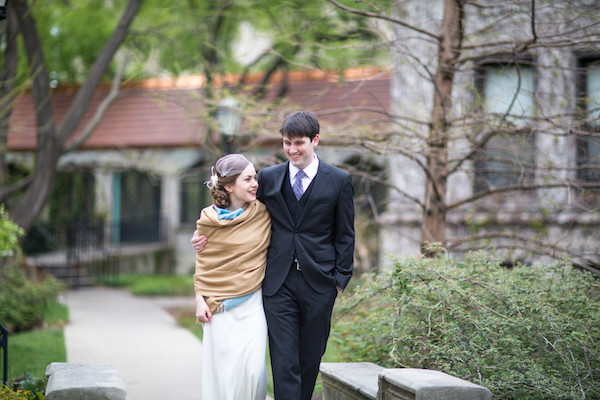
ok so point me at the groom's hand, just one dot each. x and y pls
(198, 242)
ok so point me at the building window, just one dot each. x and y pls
(369, 203)
(588, 145)
(508, 158)
(194, 195)
(72, 199)
(136, 208)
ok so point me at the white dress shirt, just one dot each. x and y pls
(310, 170)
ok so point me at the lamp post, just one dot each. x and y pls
(229, 118)
(3, 9)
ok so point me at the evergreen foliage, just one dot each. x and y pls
(9, 235)
(8, 394)
(23, 302)
(529, 332)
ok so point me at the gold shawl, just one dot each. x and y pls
(233, 261)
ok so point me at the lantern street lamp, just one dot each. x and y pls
(3, 9)
(229, 118)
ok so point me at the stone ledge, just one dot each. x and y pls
(350, 380)
(368, 381)
(72, 381)
(412, 383)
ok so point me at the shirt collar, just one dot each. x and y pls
(310, 170)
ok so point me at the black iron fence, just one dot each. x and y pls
(4, 347)
(75, 254)
(147, 230)
(85, 254)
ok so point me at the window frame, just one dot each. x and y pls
(482, 172)
(201, 173)
(582, 142)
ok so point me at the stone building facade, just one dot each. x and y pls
(542, 88)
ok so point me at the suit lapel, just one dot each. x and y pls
(278, 187)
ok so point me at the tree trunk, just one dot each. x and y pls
(48, 150)
(434, 219)
(50, 138)
(7, 83)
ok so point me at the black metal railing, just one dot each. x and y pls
(75, 254)
(88, 256)
(4, 347)
(146, 230)
(83, 254)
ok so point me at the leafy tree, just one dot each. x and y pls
(9, 235)
(23, 302)
(52, 136)
(173, 38)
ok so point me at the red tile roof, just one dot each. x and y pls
(157, 113)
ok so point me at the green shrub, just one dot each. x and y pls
(8, 394)
(9, 234)
(524, 333)
(31, 352)
(24, 302)
(26, 388)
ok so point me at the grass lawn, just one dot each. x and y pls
(32, 351)
(158, 285)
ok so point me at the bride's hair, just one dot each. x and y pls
(225, 172)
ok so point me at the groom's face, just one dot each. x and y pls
(300, 150)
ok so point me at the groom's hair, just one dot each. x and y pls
(300, 124)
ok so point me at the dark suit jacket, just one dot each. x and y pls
(322, 239)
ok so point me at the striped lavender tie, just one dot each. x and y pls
(297, 186)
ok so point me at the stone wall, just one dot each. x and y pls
(368, 381)
(559, 218)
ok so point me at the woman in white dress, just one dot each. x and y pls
(227, 282)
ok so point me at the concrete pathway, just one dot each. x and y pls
(157, 359)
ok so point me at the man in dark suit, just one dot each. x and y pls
(310, 258)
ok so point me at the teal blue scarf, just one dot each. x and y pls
(224, 213)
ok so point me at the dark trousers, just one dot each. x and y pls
(299, 320)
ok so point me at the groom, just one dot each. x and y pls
(310, 258)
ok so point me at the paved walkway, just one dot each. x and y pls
(157, 359)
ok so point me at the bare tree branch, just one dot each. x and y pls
(79, 105)
(110, 98)
(522, 188)
(358, 172)
(385, 18)
(6, 191)
(530, 244)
